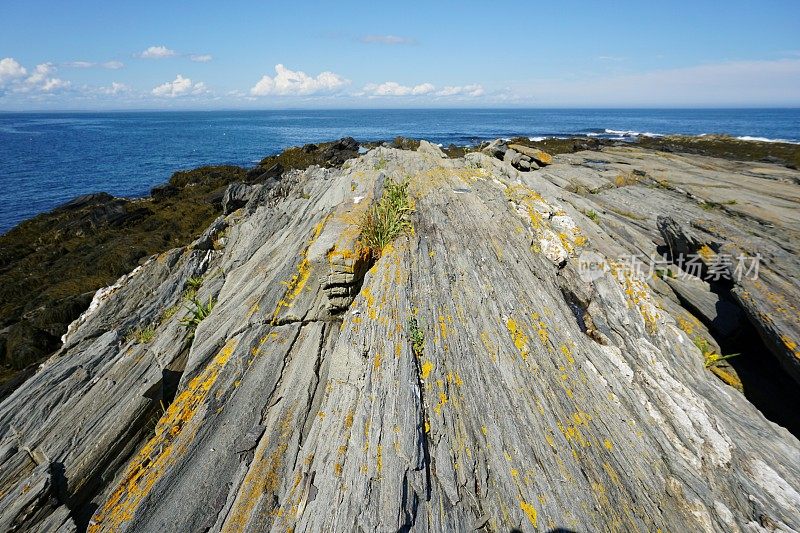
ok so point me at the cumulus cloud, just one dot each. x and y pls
(392, 88)
(180, 86)
(16, 78)
(157, 52)
(10, 71)
(201, 58)
(297, 83)
(387, 39)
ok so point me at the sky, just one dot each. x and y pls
(175, 54)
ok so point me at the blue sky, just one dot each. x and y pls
(279, 54)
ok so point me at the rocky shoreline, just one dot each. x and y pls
(571, 323)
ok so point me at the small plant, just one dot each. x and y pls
(380, 165)
(710, 357)
(387, 219)
(594, 217)
(198, 312)
(416, 336)
(729, 202)
(191, 287)
(713, 359)
(141, 335)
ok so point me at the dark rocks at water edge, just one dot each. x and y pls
(471, 374)
(51, 265)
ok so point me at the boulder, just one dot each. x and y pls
(496, 148)
(542, 158)
(236, 196)
(682, 241)
(512, 157)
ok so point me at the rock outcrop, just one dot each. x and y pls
(474, 376)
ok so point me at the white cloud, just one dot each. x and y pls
(392, 88)
(10, 71)
(113, 65)
(472, 90)
(180, 86)
(291, 82)
(157, 52)
(79, 64)
(387, 39)
(114, 89)
(40, 80)
(201, 58)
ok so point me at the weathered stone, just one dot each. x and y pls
(496, 148)
(473, 376)
(236, 196)
(540, 157)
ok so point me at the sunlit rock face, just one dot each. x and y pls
(470, 373)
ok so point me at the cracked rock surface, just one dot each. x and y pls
(537, 399)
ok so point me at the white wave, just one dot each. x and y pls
(536, 139)
(765, 139)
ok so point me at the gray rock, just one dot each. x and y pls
(681, 241)
(512, 157)
(497, 148)
(530, 398)
(236, 195)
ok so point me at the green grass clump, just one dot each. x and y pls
(387, 219)
(141, 335)
(191, 286)
(198, 311)
(593, 216)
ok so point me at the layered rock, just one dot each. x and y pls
(474, 377)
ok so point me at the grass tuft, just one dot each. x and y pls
(198, 312)
(389, 218)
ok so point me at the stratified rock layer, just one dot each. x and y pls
(537, 399)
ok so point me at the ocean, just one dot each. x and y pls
(49, 158)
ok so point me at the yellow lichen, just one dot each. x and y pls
(530, 512)
(518, 337)
(161, 451)
(427, 367)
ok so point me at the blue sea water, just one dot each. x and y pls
(49, 158)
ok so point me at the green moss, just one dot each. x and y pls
(141, 335)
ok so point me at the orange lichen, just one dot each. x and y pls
(518, 337)
(161, 451)
(295, 285)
